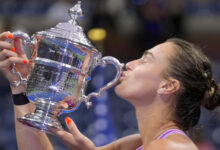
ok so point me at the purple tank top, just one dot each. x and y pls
(166, 134)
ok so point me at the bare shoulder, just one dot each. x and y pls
(130, 142)
(169, 144)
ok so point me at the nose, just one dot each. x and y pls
(130, 65)
(127, 66)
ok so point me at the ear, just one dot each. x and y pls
(169, 86)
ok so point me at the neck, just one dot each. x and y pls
(153, 120)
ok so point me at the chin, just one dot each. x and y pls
(117, 89)
(120, 91)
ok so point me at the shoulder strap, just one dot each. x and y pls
(171, 131)
(166, 134)
(139, 148)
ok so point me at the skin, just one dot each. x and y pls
(153, 97)
(143, 85)
(36, 139)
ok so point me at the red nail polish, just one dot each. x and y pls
(30, 62)
(13, 49)
(68, 120)
(10, 36)
(25, 61)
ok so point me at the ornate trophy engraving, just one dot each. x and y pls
(63, 61)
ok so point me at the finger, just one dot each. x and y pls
(19, 47)
(62, 134)
(74, 139)
(72, 126)
(79, 140)
(4, 54)
(8, 62)
(17, 44)
(6, 45)
(6, 35)
(66, 137)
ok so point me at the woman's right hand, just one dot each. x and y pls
(10, 55)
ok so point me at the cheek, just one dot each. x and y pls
(137, 87)
(146, 80)
(135, 92)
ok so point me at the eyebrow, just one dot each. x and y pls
(148, 53)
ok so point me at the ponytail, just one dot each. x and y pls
(212, 98)
(192, 68)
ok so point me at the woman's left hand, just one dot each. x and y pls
(74, 140)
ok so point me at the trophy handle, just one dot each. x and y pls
(103, 62)
(26, 41)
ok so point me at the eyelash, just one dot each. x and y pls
(144, 60)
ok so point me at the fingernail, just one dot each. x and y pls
(68, 120)
(25, 61)
(10, 36)
(13, 49)
(30, 62)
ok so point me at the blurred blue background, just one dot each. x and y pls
(131, 26)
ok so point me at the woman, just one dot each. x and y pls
(167, 87)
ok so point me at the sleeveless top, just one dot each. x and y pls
(167, 133)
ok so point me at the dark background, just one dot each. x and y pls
(132, 26)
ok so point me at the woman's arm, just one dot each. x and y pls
(29, 138)
(77, 141)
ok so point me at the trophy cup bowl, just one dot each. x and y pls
(63, 61)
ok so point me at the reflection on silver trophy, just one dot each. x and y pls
(63, 61)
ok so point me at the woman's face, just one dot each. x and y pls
(144, 76)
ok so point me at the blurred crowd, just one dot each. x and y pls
(131, 26)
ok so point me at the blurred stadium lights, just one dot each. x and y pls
(101, 129)
(139, 2)
(216, 135)
(111, 117)
(97, 34)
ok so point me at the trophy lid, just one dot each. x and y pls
(70, 30)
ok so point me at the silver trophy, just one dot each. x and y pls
(63, 61)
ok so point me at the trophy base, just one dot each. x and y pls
(42, 119)
(32, 121)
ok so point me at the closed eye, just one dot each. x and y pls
(147, 56)
(144, 59)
